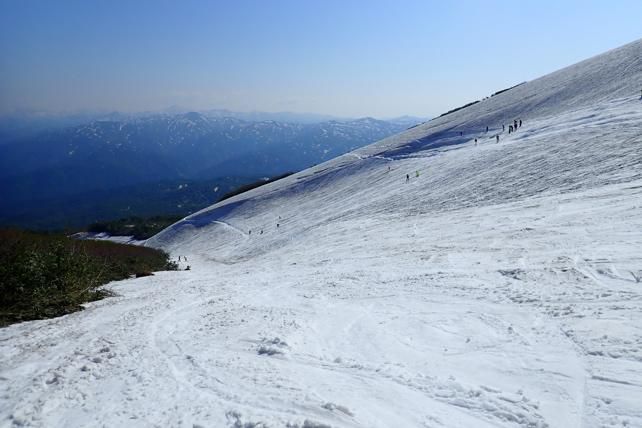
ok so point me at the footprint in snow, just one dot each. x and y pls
(271, 347)
(337, 407)
(268, 350)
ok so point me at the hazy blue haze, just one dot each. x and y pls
(350, 58)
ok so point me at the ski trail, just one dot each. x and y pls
(170, 317)
(234, 228)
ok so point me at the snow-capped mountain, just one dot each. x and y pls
(190, 143)
(105, 155)
(448, 276)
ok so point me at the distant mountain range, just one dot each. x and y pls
(114, 155)
(27, 123)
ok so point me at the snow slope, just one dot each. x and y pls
(500, 286)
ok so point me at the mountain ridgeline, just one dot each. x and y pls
(155, 156)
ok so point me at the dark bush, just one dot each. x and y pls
(47, 275)
(507, 89)
(459, 108)
(138, 227)
(142, 274)
(247, 187)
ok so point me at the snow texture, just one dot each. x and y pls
(501, 286)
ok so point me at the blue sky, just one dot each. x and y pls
(346, 58)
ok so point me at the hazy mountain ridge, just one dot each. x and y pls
(187, 138)
(105, 155)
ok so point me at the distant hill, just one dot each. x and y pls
(61, 171)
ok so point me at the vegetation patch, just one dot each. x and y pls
(475, 102)
(458, 108)
(48, 275)
(507, 89)
(247, 187)
(138, 227)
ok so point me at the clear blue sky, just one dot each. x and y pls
(340, 57)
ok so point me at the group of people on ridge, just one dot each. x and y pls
(517, 123)
(514, 126)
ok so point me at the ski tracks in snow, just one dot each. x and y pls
(500, 286)
(234, 228)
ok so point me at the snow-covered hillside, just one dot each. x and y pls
(500, 284)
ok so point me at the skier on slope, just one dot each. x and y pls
(407, 178)
(497, 137)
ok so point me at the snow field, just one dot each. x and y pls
(501, 286)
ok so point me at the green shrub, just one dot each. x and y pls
(138, 227)
(47, 275)
(247, 187)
